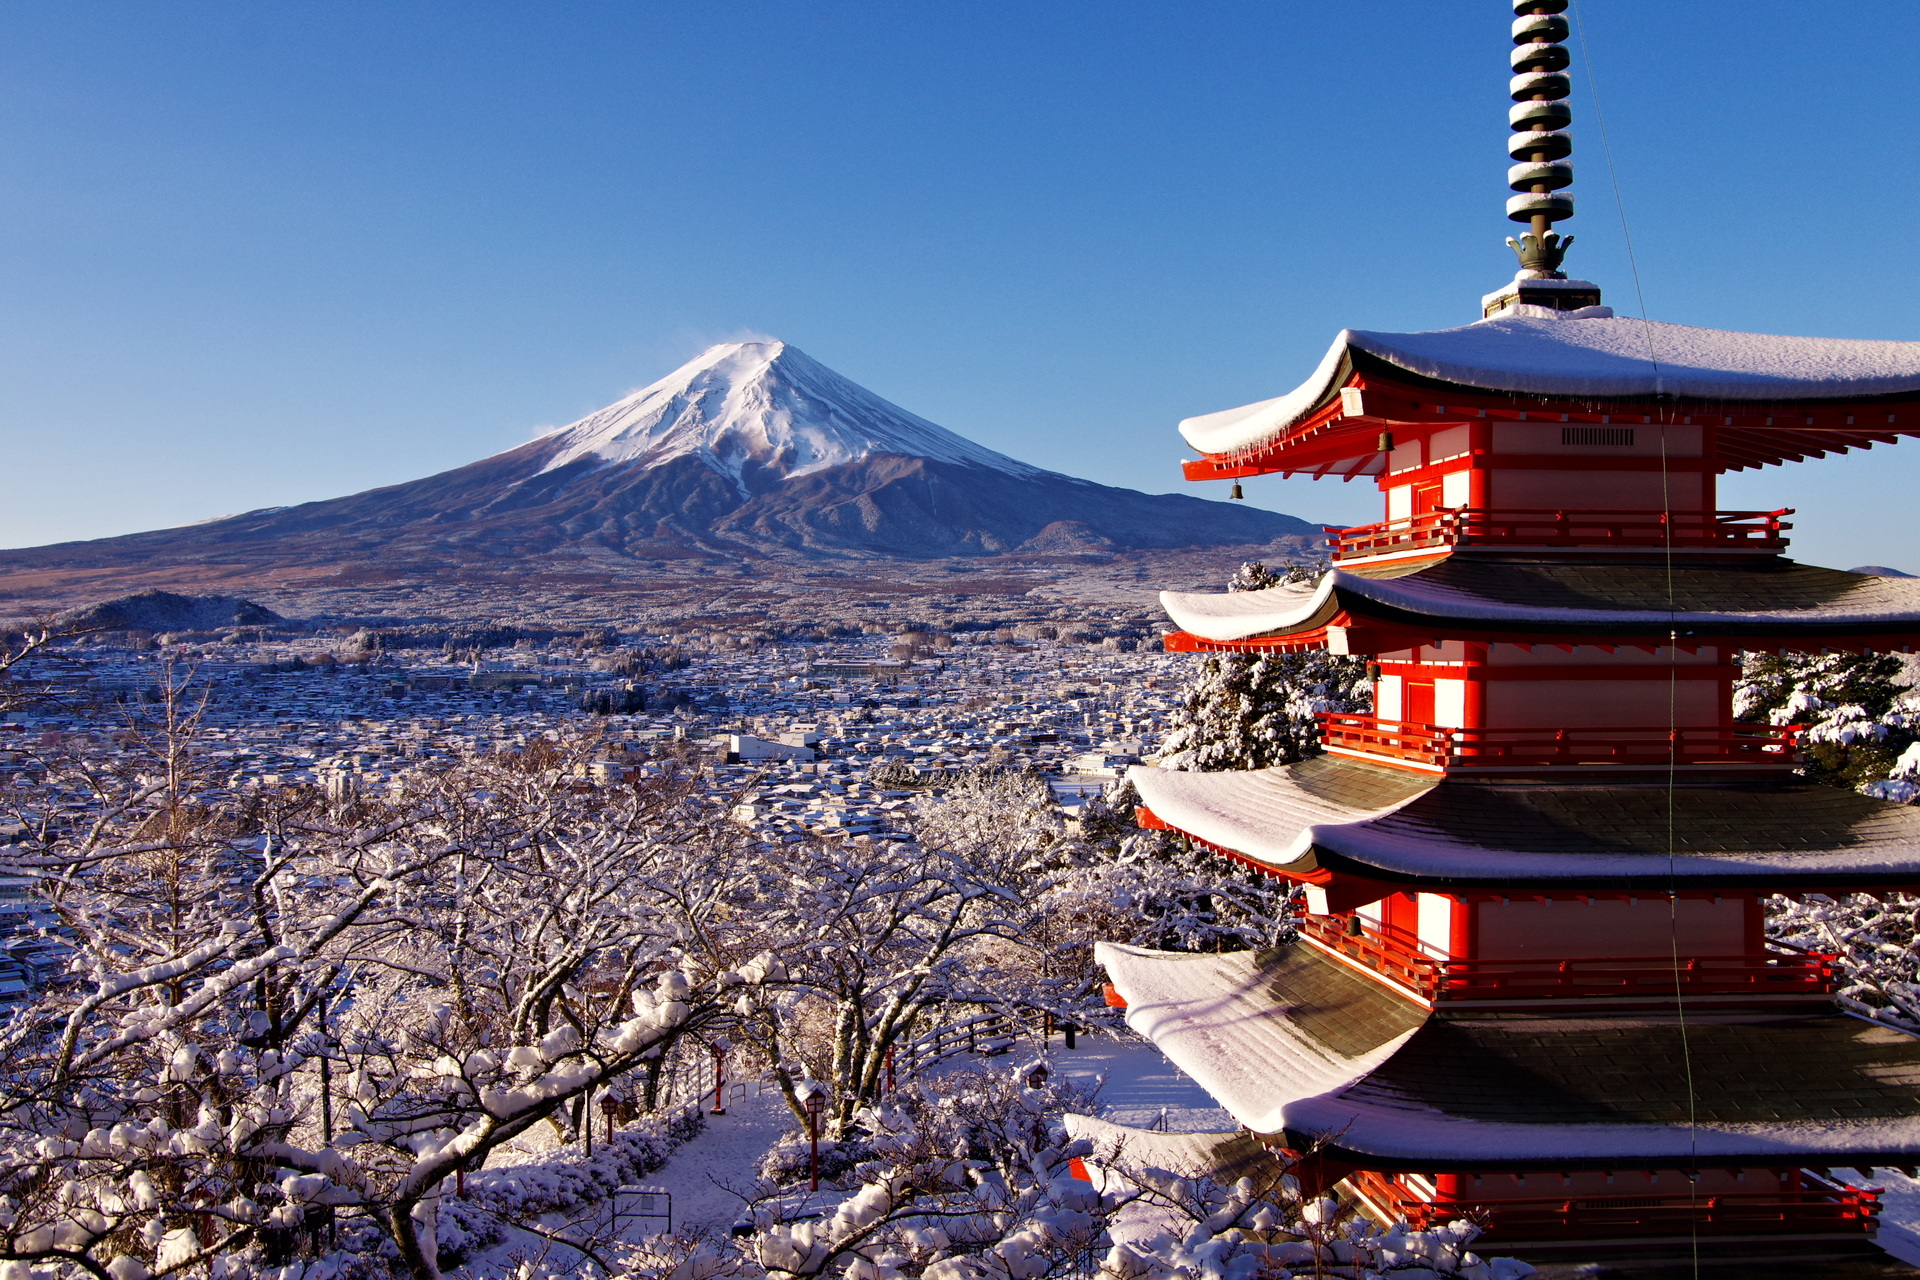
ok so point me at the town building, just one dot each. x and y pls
(1532, 985)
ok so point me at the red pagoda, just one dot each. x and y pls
(1532, 986)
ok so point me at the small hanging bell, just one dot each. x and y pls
(1236, 495)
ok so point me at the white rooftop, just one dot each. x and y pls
(1217, 1017)
(1231, 1021)
(1588, 356)
(1288, 606)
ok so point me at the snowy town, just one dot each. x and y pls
(804, 736)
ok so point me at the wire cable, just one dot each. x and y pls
(1673, 649)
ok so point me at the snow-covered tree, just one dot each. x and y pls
(974, 1176)
(1256, 710)
(291, 1021)
(1157, 889)
(877, 937)
(1859, 716)
(1860, 727)
(1875, 938)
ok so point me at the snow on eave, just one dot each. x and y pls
(1626, 356)
(1253, 424)
(1894, 601)
(1241, 615)
(1237, 615)
(1586, 355)
(1214, 1017)
(1402, 1132)
(1190, 1155)
(1262, 813)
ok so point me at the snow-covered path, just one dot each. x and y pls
(1141, 1088)
(701, 1173)
(1140, 1084)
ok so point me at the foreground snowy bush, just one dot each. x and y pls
(496, 1201)
(290, 1024)
(972, 1177)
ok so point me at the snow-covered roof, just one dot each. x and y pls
(1291, 1041)
(1223, 1157)
(1333, 809)
(1764, 595)
(1221, 1020)
(1280, 815)
(1595, 356)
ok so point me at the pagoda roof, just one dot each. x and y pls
(1586, 357)
(1334, 814)
(1225, 1157)
(1751, 596)
(1291, 1041)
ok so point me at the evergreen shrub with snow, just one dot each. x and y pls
(1859, 718)
(1256, 710)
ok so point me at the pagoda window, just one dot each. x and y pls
(1601, 704)
(1387, 697)
(1638, 441)
(1405, 455)
(1449, 704)
(1400, 502)
(1452, 442)
(1525, 929)
(1456, 489)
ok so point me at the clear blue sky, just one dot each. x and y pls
(255, 253)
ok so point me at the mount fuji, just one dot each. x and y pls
(751, 449)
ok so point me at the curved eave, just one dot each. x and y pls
(1771, 399)
(1387, 1137)
(1346, 600)
(1272, 822)
(1292, 1042)
(1339, 437)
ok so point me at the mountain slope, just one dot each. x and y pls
(752, 448)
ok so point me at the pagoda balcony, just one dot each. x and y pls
(1439, 747)
(1437, 979)
(1819, 1205)
(1761, 531)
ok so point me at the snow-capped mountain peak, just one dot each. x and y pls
(762, 404)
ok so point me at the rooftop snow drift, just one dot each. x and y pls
(1597, 356)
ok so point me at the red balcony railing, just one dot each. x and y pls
(1437, 746)
(1819, 1205)
(1543, 527)
(1400, 957)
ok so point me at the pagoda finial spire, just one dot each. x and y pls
(1539, 148)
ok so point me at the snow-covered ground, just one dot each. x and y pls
(1142, 1089)
(1899, 1229)
(1139, 1088)
(704, 1174)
